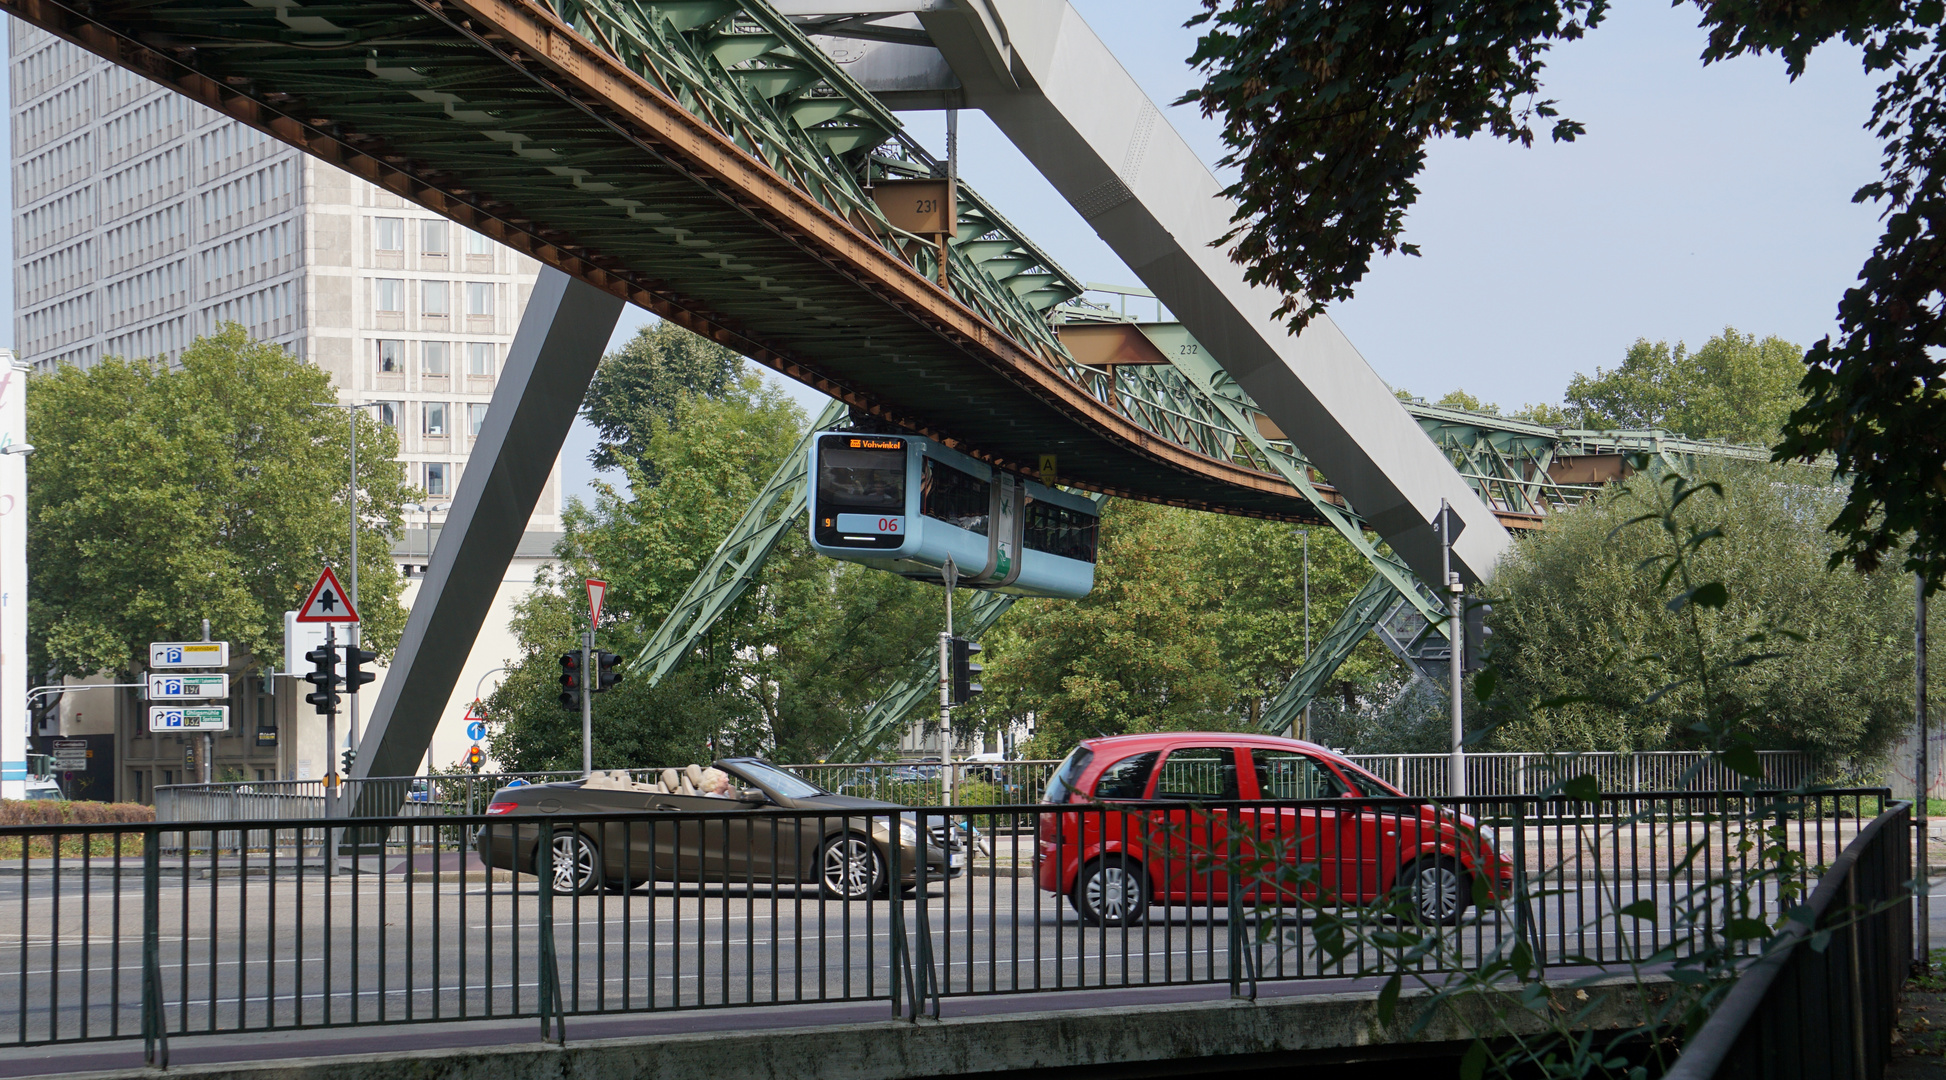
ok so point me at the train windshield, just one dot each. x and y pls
(866, 479)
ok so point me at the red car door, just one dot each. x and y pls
(1193, 840)
(1322, 837)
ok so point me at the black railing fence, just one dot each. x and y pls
(167, 930)
(1822, 1000)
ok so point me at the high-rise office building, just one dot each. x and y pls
(143, 220)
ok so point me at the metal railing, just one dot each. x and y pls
(917, 783)
(1823, 1000)
(1429, 776)
(113, 931)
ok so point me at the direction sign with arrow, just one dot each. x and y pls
(327, 602)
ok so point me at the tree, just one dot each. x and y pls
(1256, 571)
(1585, 636)
(1327, 106)
(1139, 653)
(1735, 388)
(162, 496)
(645, 379)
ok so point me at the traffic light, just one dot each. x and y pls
(475, 758)
(965, 670)
(571, 679)
(1477, 634)
(324, 676)
(605, 673)
(355, 661)
(350, 756)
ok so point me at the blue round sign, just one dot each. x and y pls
(476, 731)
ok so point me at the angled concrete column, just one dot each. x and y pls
(562, 334)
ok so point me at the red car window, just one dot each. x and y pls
(1289, 774)
(1127, 778)
(1199, 773)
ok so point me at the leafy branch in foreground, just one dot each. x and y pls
(1327, 107)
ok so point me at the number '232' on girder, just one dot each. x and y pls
(907, 504)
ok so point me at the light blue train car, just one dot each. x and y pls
(906, 504)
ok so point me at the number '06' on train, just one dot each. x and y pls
(906, 504)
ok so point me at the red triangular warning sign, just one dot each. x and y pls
(327, 602)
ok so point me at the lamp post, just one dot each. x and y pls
(429, 509)
(1305, 534)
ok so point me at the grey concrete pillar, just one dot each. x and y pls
(562, 334)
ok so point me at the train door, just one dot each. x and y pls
(1004, 534)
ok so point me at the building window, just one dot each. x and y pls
(435, 417)
(436, 358)
(434, 298)
(391, 357)
(479, 298)
(432, 237)
(388, 413)
(436, 476)
(475, 418)
(388, 295)
(478, 244)
(388, 234)
(479, 358)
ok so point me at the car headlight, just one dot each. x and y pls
(908, 832)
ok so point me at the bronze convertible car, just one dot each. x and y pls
(849, 854)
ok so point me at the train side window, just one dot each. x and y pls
(1060, 531)
(954, 497)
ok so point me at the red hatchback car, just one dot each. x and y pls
(1157, 831)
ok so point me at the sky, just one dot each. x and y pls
(1700, 198)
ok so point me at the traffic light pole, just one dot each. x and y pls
(588, 683)
(1456, 787)
(333, 796)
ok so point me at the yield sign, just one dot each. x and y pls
(596, 590)
(327, 602)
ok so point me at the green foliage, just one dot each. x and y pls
(645, 380)
(1586, 634)
(163, 496)
(1195, 620)
(1735, 388)
(1326, 107)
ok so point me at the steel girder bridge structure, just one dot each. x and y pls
(707, 161)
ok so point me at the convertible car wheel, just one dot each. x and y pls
(851, 868)
(577, 864)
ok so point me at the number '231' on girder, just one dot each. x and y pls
(906, 504)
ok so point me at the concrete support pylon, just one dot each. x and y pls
(566, 326)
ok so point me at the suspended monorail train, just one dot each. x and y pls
(907, 504)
